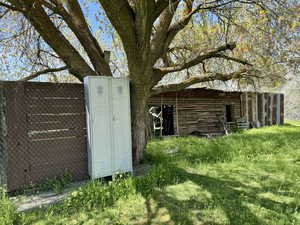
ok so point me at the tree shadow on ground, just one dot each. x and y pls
(232, 197)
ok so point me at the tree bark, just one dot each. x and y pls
(139, 106)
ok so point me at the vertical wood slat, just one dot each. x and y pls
(263, 112)
(274, 108)
(271, 109)
(260, 109)
(278, 109)
(254, 108)
(246, 107)
(281, 108)
(256, 105)
(3, 139)
(267, 103)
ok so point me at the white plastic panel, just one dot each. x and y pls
(109, 125)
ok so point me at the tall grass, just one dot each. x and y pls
(172, 157)
(8, 215)
(247, 145)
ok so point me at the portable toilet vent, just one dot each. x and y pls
(108, 125)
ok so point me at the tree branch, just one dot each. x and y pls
(242, 74)
(122, 17)
(39, 19)
(204, 56)
(11, 7)
(50, 70)
(77, 23)
(158, 40)
(241, 61)
(161, 5)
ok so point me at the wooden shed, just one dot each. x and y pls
(203, 111)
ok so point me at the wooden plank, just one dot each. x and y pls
(281, 109)
(263, 112)
(269, 122)
(58, 150)
(55, 101)
(274, 111)
(246, 107)
(271, 110)
(60, 91)
(278, 109)
(242, 105)
(39, 85)
(57, 134)
(37, 118)
(60, 123)
(254, 108)
(267, 103)
(259, 109)
(55, 109)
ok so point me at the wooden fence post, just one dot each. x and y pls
(247, 108)
(3, 136)
(263, 111)
(281, 109)
(278, 109)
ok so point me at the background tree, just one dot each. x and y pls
(60, 35)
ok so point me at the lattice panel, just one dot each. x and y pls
(47, 132)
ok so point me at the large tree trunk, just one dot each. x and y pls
(139, 98)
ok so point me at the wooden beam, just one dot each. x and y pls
(281, 108)
(254, 108)
(271, 110)
(278, 109)
(246, 107)
(263, 110)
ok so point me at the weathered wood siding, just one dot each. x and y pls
(199, 109)
(263, 109)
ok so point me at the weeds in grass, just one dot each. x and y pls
(8, 215)
(247, 176)
(102, 194)
(57, 184)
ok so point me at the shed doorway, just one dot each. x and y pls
(229, 113)
(168, 120)
(163, 120)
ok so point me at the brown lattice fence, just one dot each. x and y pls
(44, 133)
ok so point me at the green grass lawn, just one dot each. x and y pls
(245, 178)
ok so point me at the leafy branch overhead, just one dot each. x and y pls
(147, 30)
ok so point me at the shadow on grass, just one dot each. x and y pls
(231, 196)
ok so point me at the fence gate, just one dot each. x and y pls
(46, 132)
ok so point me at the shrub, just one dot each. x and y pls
(8, 214)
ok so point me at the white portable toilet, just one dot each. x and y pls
(109, 125)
